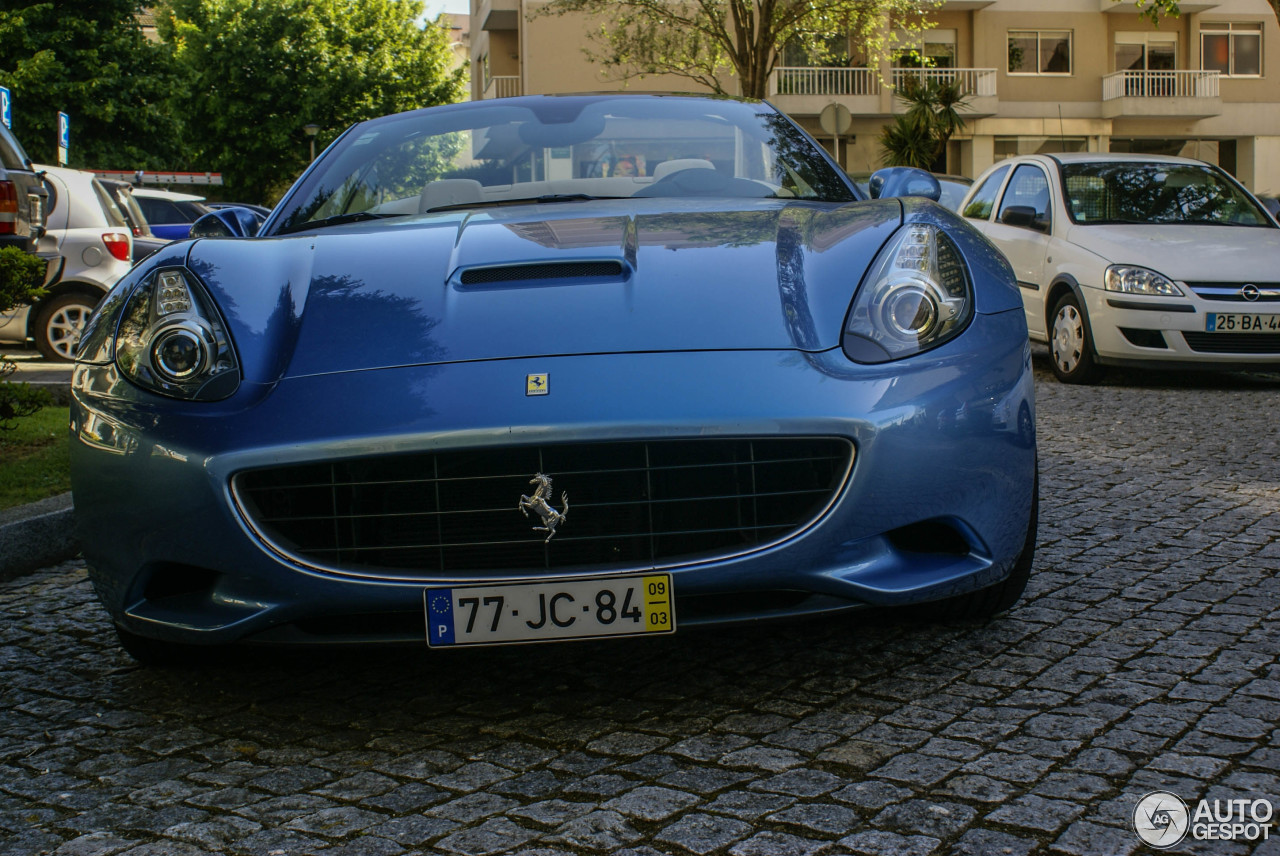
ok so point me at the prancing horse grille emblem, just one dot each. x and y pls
(538, 502)
(1250, 292)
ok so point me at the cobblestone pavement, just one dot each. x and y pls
(1144, 657)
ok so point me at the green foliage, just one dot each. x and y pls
(21, 277)
(18, 399)
(258, 71)
(90, 60)
(919, 137)
(1154, 9)
(903, 142)
(715, 42)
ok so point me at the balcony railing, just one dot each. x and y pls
(503, 86)
(794, 80)
(1160, 84)
(978, 82)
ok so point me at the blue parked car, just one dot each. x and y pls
(170, 214)
(550, 368)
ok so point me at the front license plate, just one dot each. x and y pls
(1241, 322)
(546, 611)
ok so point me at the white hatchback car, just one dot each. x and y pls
(1135, 260)
(88, 232)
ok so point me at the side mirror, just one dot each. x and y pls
(1023, 216)
(228, 223)
(903, 181)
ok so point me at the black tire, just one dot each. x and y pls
(1071, 343)
(158, 652)
(59, 323)
(993, 600)
(1026, 427)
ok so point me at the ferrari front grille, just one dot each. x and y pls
(463, 514)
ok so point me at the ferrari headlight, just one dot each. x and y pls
(917, 295)
(1138, 280)
(172, 341)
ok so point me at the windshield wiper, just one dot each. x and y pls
(336, 220)
(527, 200)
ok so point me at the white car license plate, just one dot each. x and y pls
(551, 610)
(1241, 322)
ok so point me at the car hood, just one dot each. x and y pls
(530, 281)
(1187, 253)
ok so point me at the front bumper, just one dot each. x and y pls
(1169, 332)
(938, 438)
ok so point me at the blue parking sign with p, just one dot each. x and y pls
(6, 108)
(64, 137)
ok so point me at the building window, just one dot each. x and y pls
(817, 51)
(1233, 49)
(935, 48)
(1040, 52)
(1146, 51)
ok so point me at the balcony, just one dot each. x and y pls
(978, 83)
(804, 91)
(498, 15)
(1187, 7)
(1161, 94)
(502, 86)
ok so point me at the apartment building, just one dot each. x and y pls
(1043, 76)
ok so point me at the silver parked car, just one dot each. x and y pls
(92, 239)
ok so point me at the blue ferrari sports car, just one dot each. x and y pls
(556, 367)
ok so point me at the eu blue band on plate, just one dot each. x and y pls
(440, 616)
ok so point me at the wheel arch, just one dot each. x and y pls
(58, 289)
(1063, 284)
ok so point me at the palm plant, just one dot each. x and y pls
(919, 136)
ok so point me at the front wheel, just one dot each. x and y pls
(59, 325)
(1071, 345)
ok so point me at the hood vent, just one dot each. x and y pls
(542, 272)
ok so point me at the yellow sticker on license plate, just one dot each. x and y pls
(549, 610)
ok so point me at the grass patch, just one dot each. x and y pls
(35, 458)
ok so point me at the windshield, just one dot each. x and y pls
(556, 149)
(1134, 192)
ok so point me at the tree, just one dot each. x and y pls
(89, 60)
(919, 137)
(1154, 9)
(259, 71)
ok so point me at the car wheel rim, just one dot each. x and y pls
(64, 329)
(1068, 339)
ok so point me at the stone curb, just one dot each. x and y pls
(35, 535)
